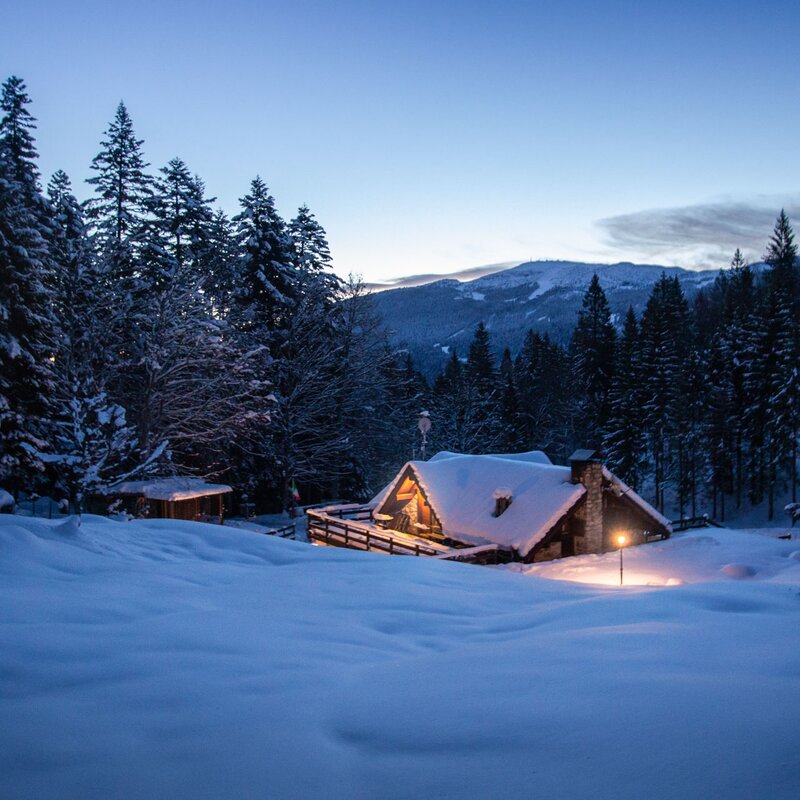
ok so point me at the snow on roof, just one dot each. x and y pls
(6, 500)
(170, 489)
(532, 456)
(460, 489)
(621, 488)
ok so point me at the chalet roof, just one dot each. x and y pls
(460, 490)
(169, 489)
(621, 489)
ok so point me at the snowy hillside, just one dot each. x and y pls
(543, 295)
(174, 659)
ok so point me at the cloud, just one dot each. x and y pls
(462, 275)
(698, 235)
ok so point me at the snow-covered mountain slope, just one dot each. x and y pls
(544, 295)
(173, 659)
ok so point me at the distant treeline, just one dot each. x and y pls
(696, 405)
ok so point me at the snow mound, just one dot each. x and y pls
(696, 557)
(738, 571)
(6, 500)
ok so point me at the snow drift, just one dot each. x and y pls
(175, 659)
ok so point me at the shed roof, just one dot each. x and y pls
(169, 489)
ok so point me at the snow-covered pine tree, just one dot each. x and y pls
(18, 125)
(691, 426)
(624, 439)
(542, 375)
(465, 422)
(188, 381)
(781, 256)
(123, 191)
(509, 405)
(739, 308)
(78, 293)
(266, 280)
(219, 263)
(782, 402)
(312, 252)
(592, 352)
(480, 367)
(720, 438)
(481, 394)
(26, 324)
(665, 336)
(91, 444)
(182, 214)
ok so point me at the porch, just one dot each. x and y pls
(354, 527)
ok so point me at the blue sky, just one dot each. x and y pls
(435, 136)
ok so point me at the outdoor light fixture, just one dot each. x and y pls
(622, 540)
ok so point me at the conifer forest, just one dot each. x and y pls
(143, 331)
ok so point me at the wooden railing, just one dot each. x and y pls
(345, 511)
(331, 530)
(284, 532)
(703, 521)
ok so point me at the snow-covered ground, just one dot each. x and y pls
(167, 659)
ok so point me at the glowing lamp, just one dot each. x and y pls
(621, 540)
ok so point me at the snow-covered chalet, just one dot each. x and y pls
(521, 503)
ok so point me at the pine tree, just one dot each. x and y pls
(266, 279)
(16, 129)
(26, 275)
(691, 431)
(480, 367)
(541, 371)
(624, 439)
(219, 263)
(781, 256)
(467, 420)
(182, 214)
(124, 190)
(721, 439)
(312, 253)
(509, 405)
(665, 334)
(592, 351)
(740, 307)
(781, 350)
(90, 442)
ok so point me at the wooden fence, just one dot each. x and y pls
(336, 531)
(284, 532)
(703, 521)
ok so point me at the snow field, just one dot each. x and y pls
(174, 659)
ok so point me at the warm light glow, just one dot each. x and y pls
(622, 540)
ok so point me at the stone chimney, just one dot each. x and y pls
(587, 468)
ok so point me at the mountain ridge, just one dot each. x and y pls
(431, 319)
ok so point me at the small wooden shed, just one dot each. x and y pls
(172, 497)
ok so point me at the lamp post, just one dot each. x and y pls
(622, 540)
(424, 425)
